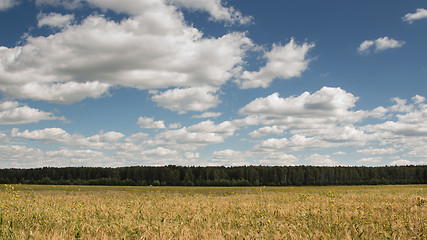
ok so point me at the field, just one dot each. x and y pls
(92, 212)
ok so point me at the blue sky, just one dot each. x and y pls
(210, 82)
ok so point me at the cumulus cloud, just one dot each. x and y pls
(191, 155)
(268, 130)
(340, 153)
(12, 112)
(417, 99)
(18, 156)
(379, 45)
(228, 157)
(412, 123)
(283, 62)
(278, 159)
(145, 122)
(68, 4)
(195, 136)
(102, 140)
(183, 100)
(292, 144)
(327, 104)
(208, 115)
(160, 152)
(154, 48)
(419, 14)
(6, 4)
(63, 93)
(137, 137)
(216, 9)
(174, 125)
(418, 151)
(401, 162)
(378, 151)
(320, 120)
(321, 160)
(54, 20)
(369, 160)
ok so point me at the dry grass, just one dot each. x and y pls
(74, 212)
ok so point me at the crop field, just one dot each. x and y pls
(95, 212)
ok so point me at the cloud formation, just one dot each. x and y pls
(228, 157)
(183, 100)
(283, 62)
(145, 122)
(419, 14)
(208, 115)
(54, 20)
(154, 48)
(6, 4)
(379, 45)
(216, 9)
(12, 112)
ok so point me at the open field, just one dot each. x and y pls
(92, 212)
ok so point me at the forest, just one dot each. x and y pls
(172, 175)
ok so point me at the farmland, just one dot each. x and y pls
(100, 212)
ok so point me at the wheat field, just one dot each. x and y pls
(95, 212)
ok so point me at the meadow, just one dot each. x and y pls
(100, 212)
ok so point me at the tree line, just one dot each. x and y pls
(172, 175)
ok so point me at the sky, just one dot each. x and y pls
(109, 83)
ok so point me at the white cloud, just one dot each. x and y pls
(102, 141)
(226, 128)
(55, 20)
(216, 9)
(136, 137)
(68, 4)
(401, 162)
(12, 112)
(268, 130)
(160, 152)
(378, 151)
(417, 99)
(228, 157)
(323, 119)
(183, 139)
(419, 14)
(195, 136)
(188, 99)
(326, 105)
(278, 159)
(153, 48)
(413, 123)
(145, 122)
(340, 153)
(282, 62)
(106, 137)
(25, 157)
(174, 125)
(208, 115)
(401, 106)
(418, 151)
(365, 46)
(6, 4)
(379, 45)
(369, 160)
(294, 143)
(63, 93)
(20, 156)
(321, 160)
(191, 155)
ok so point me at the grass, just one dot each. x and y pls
(95, 212)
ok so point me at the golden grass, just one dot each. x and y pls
(88, 212)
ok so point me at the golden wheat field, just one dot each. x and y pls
(95, 212)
